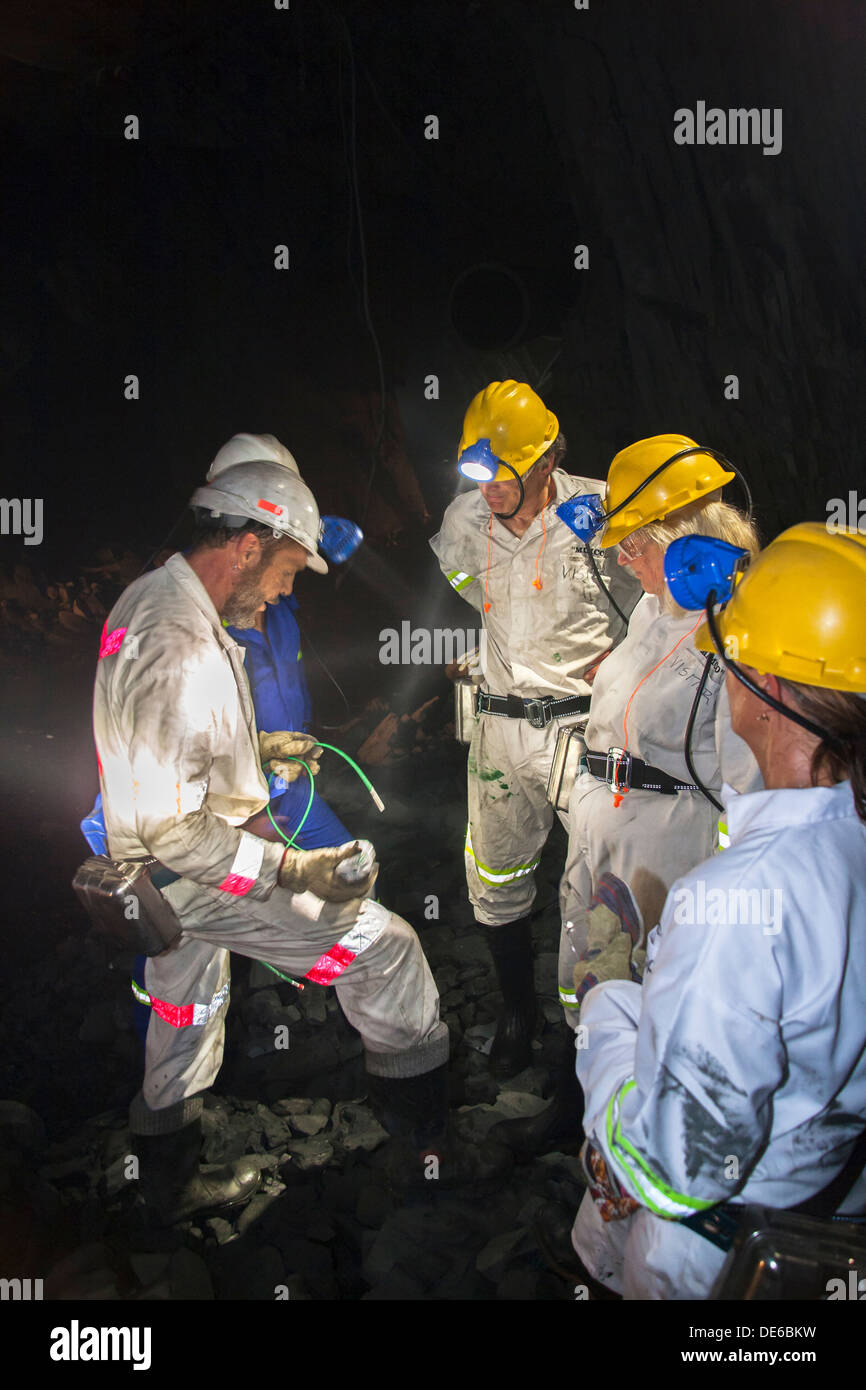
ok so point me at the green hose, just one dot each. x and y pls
(300, 824)
(370, 788)
(351, 761)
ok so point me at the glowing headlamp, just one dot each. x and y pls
(583, 515)
(479, 463)
(702, 569)
(339, 538)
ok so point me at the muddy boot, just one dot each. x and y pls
(560, 1124)
(173, 1185)
(511, 949)
(425, 1152)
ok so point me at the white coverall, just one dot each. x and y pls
(650, 838)
(537, 642)
(745, 1049)
(180, 773)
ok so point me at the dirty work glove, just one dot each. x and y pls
(614, 931)
(314, 871)
(274, 749)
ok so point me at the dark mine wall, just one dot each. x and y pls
(555, 129)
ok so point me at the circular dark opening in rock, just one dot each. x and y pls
(489, 306)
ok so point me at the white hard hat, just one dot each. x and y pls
(265, 491)
(251, 448)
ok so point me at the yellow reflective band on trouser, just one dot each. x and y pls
(568, 999)
(458, 580)
(642, 1182)
(509, 875)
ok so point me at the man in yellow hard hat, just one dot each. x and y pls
(552, 608)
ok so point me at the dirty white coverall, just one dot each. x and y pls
(180, 773)
(537, 642)
(650, 838)
(744, 1048)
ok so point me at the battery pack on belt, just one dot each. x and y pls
(122, 898)
(624, 772)
(539, 710)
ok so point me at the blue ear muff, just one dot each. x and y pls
(696, 566)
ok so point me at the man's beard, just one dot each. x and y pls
(243, 603)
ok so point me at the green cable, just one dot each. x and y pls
(351, 761)
(370, 788)
(300, 823)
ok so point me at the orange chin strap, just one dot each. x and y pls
(618, 795)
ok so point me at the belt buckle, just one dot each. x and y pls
(618, 770)
(537, 712)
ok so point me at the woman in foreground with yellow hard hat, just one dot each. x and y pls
(737, 1073)
(645, 808)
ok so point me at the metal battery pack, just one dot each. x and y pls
(121, 900)
(567, 755)
(464, 709)
(785, 1255)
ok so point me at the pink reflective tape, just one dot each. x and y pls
(178, 1015)
(111, 641)
(246, 865)
(182, 1015)
(237, 884)
(330, 965)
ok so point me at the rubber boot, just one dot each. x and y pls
(511, 949)
(173, 1185)
(425, 1152)
(560, 1124)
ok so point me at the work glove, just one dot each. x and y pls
(614, 933)
(314, 871)
(274, 749)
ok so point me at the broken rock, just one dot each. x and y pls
(356, 1127)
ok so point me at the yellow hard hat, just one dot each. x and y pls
(690, 478)
(799, 611)
(514, 422)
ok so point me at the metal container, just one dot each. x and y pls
(465, 716)
(785, 1255)
(122, 901)
(567, 755)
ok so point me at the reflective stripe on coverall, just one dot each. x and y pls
(743, 1055)
(537, 642)
(649, 838)
(179, 767)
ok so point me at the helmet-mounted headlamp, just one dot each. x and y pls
(339, 538)
(479, 463)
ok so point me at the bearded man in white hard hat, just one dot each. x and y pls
(181, 772)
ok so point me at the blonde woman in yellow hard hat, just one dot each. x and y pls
(548, 622)
(644, 809)
(737, 1072)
